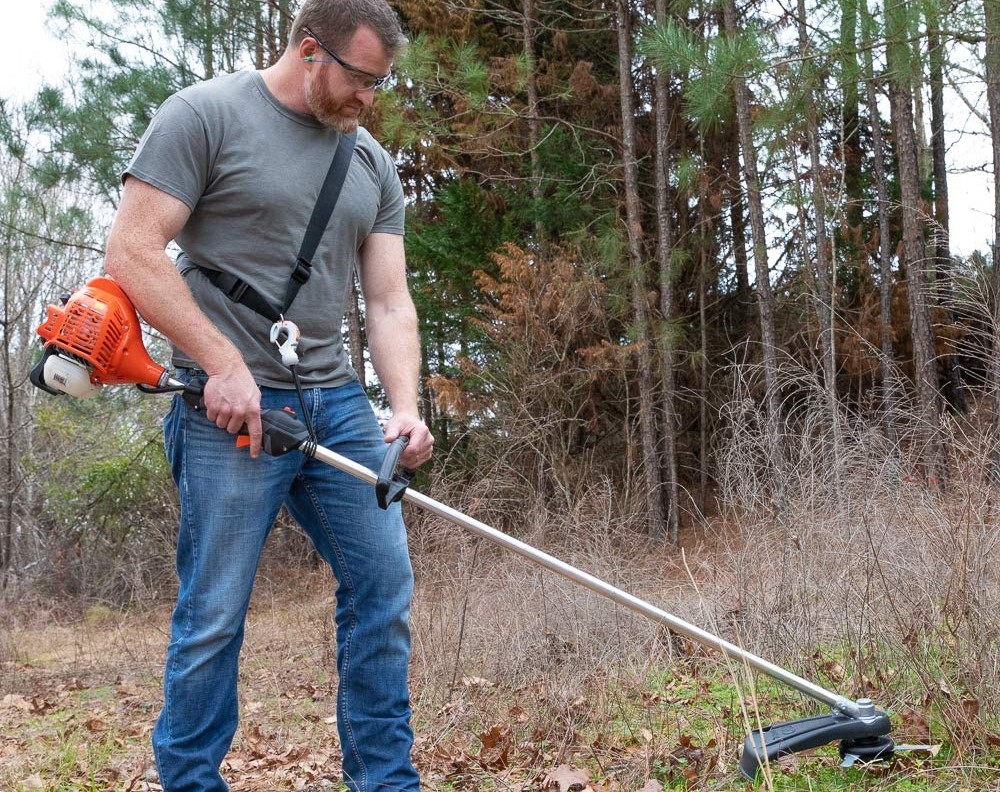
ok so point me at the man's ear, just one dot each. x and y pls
(307, 48)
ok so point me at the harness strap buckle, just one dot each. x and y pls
(302, 270)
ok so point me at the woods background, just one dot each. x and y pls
(679, 247)
(683, 270)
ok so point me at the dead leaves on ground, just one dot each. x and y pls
(34, 705)
(569, 779)
(531, 747)
(261, 764)
(524, 752)
(488, 735)
(69, 733)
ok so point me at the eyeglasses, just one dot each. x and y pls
(365, 81)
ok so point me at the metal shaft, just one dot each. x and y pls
(596, 585)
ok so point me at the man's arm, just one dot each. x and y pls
(136, 258)
(394, 341)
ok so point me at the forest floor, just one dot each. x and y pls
(534, 710)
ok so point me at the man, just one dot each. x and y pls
(230, 169)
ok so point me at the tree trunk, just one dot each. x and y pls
(917, 96)
(738, 225)
(898, 59)
(258, 37)
(534, 125)
(765, 296)
(703, 435)
(8, 420)
(940, 173)
(851, 125)
(640, 311)
(208, 42)
(992, 12)
(426, 394)
(890, 381)
(356, 341)
(824, 254)
(284, 27)
(940, 236)
(666, 335)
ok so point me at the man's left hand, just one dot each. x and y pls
(421, 444)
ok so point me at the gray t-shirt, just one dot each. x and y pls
(250, 169)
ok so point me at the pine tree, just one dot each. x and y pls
(138, 57)
(667, 333)
(825, 311)
(940, 243)
(852, 153)
(765, 295)
(883, 210)
(992, 16)
(640, 311)
(899, 62)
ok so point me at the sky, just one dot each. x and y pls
(31, 55)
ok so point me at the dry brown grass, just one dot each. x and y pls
(846, 545)
(862, 579)
(80, 691)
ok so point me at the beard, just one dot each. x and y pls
(327, 110)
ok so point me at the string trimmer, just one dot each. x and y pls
(95, 339)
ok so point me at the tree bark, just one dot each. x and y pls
(8, 419)
(534, 125)
(703, 435)
(765, 296)
(640, 311)
(851, 125)
(898, 59)
(208, 42)
(941, 232)
(738, 224)
(356, 341)
(992, 13)
(666, 335)
(940, 173)
(258, 37)
(890, 380)
(824, 254)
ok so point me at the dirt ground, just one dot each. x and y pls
(518, 684)
(78, 700)
(79, 694)
(508, 669)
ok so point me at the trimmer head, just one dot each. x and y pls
(861, 738)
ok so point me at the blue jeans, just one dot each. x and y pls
(228, 504)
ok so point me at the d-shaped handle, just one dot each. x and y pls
(391, 485)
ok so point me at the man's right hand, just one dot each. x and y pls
(232, 400)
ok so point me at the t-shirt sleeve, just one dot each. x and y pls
(173, 154)
(392, 206)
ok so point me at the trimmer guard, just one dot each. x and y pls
(864, 737)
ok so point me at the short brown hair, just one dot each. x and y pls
(336, 21)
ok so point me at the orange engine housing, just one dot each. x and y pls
(99, 326)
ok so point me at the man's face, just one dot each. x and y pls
(334, 93)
